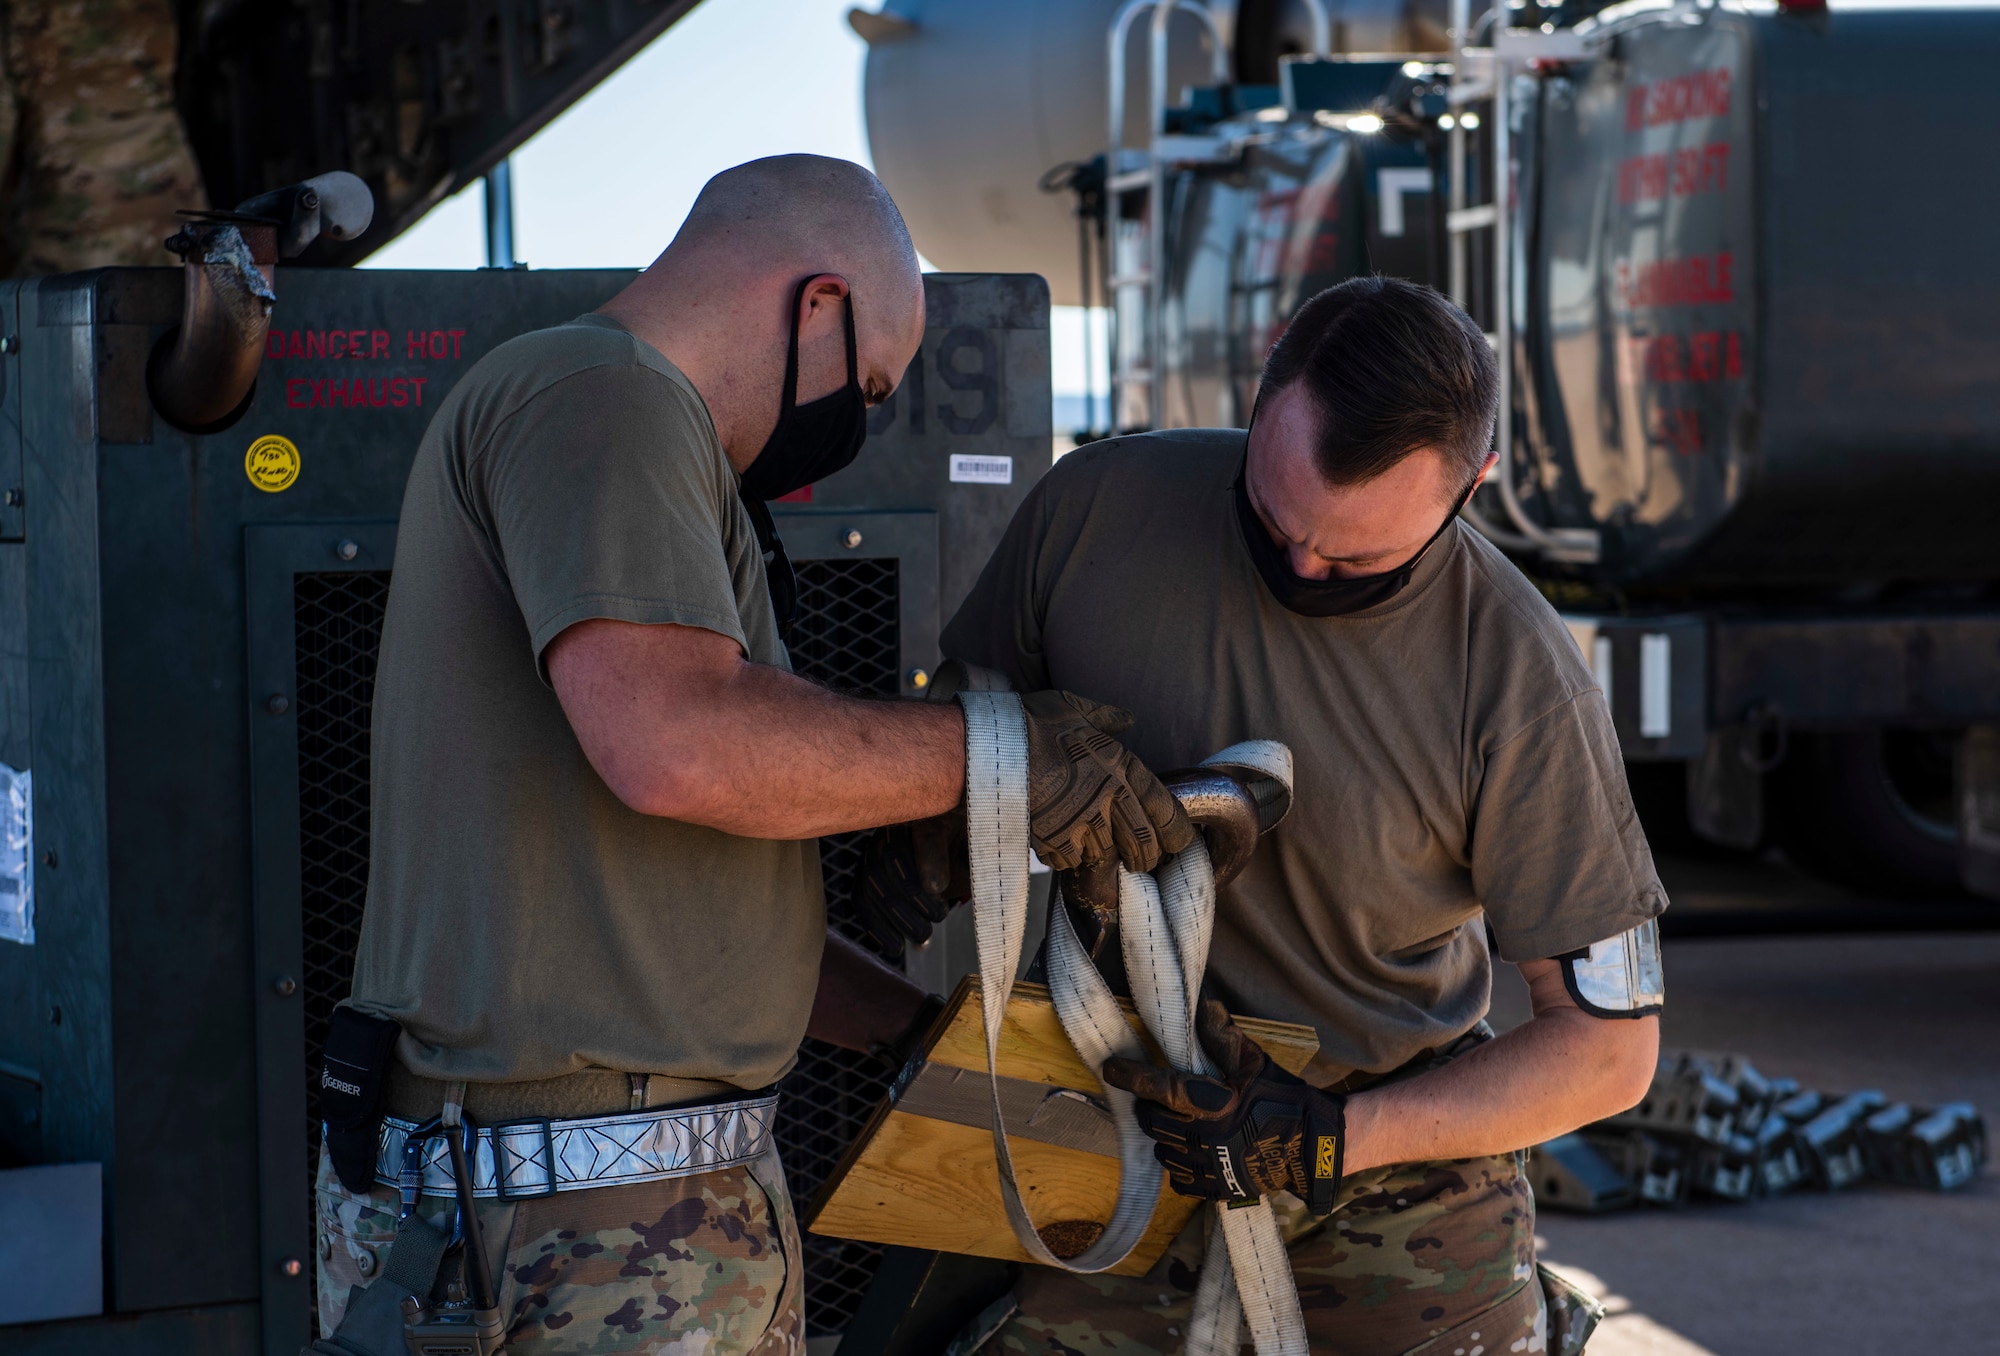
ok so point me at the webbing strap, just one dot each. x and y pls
(414, 1256)
(996, 812)
(1165, 923)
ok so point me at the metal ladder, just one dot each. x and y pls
(1483, 77)
(1135, 276)
(1136, 271)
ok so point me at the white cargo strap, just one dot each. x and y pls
(1165, 922)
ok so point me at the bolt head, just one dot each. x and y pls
(285, 986)
(851, 538)
(919, 679)
(291, 1266)
(277, 703)
(348, 549)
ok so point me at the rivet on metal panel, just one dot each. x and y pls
(919, 679)
(10, 343)
(291, 1266)
(348, 549)
(285, 986)
(49, 858)
(851, 538)
(277, 703)
(12, 498)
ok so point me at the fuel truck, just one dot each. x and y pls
(1729, 254)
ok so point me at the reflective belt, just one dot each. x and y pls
(1165, 923)
(542, 1157)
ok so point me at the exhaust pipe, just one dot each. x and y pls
(203, 374)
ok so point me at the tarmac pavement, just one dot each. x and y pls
(1875, 1269)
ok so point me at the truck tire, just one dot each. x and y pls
(1870, 811)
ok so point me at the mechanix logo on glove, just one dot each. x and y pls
(1270, 1140)
(1241, 1136)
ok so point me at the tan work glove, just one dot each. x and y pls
(1089, 799)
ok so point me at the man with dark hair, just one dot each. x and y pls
(1456, 771)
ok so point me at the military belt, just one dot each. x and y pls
(541, 1157)
(579, 1095)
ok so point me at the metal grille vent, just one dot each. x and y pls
(337, 632)
(336, 636)
(847, 634)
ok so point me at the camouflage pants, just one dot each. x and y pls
(691, 1266)
(1430, 1258)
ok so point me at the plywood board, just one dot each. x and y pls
(925, 1182)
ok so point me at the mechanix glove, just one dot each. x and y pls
(1257, 1129)
(1088, 797)
(911, 876)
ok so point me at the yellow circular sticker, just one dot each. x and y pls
(272, 463)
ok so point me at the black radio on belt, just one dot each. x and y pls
(358, 1050)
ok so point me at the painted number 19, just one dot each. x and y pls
(968, 367)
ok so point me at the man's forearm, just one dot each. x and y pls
(785, 758)
(680, 725)
(1563, 1069)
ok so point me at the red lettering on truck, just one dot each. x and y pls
(1693, 280)
(1682, 173)
(1707, 355)
(1679, 98)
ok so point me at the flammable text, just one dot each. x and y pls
(1690, 280)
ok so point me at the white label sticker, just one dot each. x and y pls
(1656, 696)
(967, 470)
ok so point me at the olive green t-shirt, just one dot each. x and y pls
(521, 921)
(1455, 762)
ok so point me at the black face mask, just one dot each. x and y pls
(1322, 597)
(809, 443)
(813, 440)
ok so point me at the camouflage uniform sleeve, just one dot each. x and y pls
(101, 157)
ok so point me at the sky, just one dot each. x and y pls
(609, 182)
